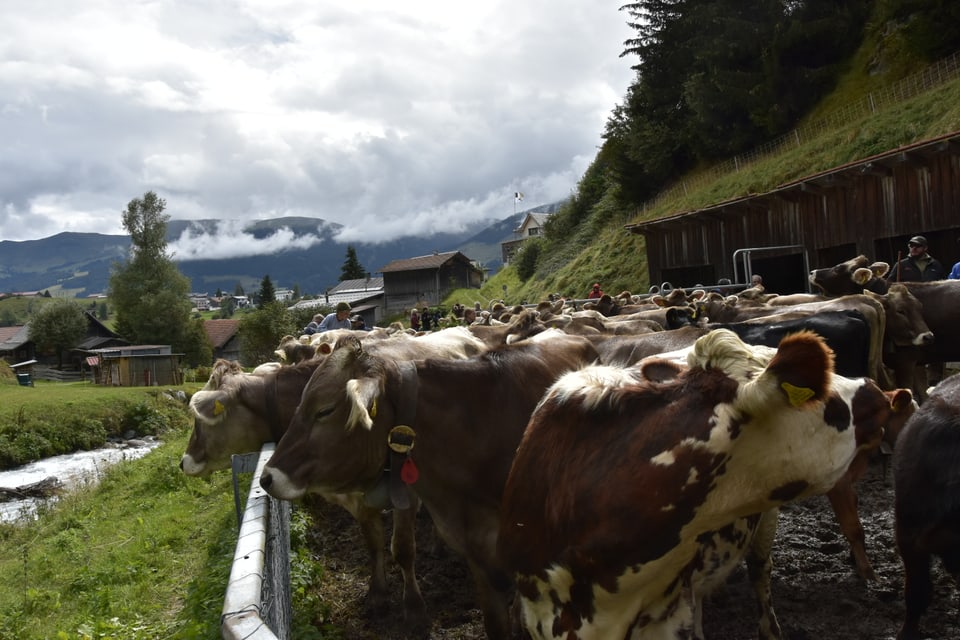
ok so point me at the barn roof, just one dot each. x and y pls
(13, 337)
(433, 261)
(219, 332)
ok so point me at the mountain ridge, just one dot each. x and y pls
(80, 262)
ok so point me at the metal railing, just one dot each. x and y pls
(257, 603)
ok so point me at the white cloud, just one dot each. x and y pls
(388, 118)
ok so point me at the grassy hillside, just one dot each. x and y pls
(601, 250)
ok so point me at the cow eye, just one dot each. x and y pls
(323, 413)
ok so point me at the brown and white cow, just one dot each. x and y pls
(467, 418)
(620, 478)
(927, 499)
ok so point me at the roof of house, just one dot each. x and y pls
(433, 261)
(331, 299)
(536, 218)
(358, 285)
(13, 337)
(219, 332)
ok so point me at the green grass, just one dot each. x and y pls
(144, 553)
(54, 418)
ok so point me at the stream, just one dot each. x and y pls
(70, 469)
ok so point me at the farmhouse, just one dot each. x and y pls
(530, 227)
(224, 337)
(427, 279)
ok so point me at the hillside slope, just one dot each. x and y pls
(600, 249)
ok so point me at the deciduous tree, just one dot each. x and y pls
(59, 325)
(149, 294)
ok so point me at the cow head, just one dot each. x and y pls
(905, 325)
(238, 412)
(337, 438)
(852, 276)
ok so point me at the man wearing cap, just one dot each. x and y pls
(595, 292)
(918, 266)
(339, 319)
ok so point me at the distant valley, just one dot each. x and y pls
(79, 264)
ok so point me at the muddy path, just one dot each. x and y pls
(816, 591)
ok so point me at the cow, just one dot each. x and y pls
(463, 421)
(940, 310)
(926, 498)
(623, 475)
(237, 412)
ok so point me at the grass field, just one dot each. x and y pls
(144, 553)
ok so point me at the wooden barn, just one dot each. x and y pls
(137, 366)
(427, 279)
(871, 207)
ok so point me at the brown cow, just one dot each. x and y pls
(467, 418)
(940, 310)
(237, 412)
(621, 481)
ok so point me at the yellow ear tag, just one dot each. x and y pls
(797, 395)
(373, 409)
(218, 408)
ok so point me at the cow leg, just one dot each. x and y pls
(493, 597)
(404, 550)
(374, 535)
(843, 499)
(917, 591)
(759, 568)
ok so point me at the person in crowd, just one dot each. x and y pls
(415, 319)
(595, 292)
(756, 280)
(426, 320)
(918, 266)
(339, 319)
(357, 323)
(311, 328)
(469, 316)
(955, 272)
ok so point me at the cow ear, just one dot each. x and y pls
(209, 406)
(660, 370)
(324, 348)
(900, 400)
(362, 394)
(803, 364)
(862, 276)
(658, 300)
(880, 269)
(875, 296)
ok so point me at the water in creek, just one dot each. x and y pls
(70, 469)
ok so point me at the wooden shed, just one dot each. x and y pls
(137, 366)
(427, 279)
(871, 207)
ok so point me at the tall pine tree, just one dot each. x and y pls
(352, 269)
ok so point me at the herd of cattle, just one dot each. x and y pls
(602, 469)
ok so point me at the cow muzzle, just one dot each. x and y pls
(279, 485)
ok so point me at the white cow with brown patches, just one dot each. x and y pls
(624, 477)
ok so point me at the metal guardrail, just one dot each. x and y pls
(257, 602)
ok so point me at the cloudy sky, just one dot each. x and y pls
(391, 118)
